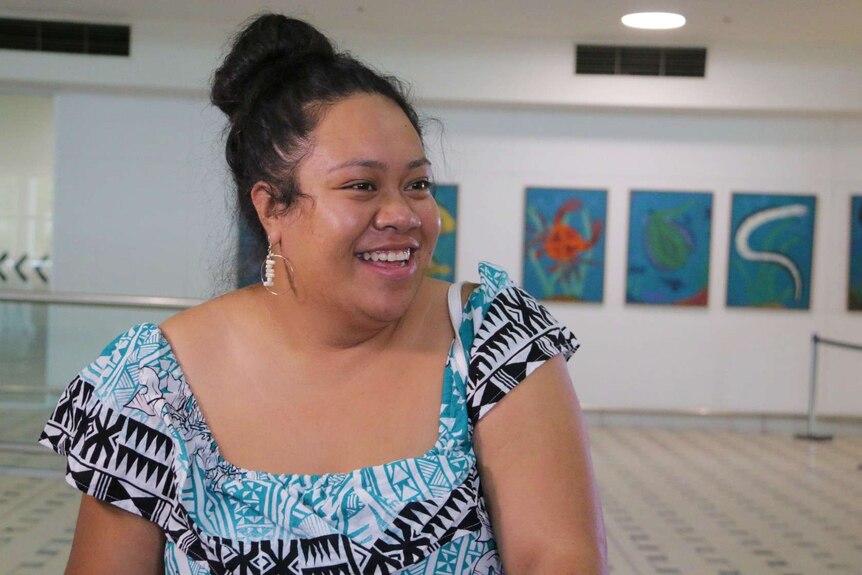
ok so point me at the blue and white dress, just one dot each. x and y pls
(134, 436)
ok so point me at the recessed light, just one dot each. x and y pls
(654, 20)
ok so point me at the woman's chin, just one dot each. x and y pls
(388, 310)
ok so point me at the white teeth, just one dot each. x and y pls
(387, 256)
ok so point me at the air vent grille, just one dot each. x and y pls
(66, 37)
(640, 61)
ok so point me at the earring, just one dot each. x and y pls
(267, 271)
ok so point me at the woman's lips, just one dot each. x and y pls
(390, 263)
(397, 255)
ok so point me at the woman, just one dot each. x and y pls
(341, 416)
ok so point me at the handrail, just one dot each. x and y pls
(94, 299)
(11, 388)
(811, 432)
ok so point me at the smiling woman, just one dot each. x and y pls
(348, 414)
(367, 202)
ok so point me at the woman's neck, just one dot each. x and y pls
(316, 329)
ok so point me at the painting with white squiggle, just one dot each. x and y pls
(771, 250)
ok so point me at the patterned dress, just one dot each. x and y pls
(134, 436)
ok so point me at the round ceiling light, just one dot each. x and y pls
(654, 20)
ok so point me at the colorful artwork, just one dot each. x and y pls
(771, 245)
(854, 292)
(564, 244)
(668, 260)
(443, 261)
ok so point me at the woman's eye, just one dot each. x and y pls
(363, 186)
(421, 185)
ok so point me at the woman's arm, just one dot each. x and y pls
(109, 540)
(537, 478)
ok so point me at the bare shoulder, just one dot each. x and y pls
(437, 289)
(203, 325)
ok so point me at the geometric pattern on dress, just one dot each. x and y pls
(134, 436)
(516, 335)
(117, 459)
(420, 529)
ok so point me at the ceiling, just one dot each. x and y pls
(800, 23)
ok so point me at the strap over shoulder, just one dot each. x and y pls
(513, 334)
(455, 311)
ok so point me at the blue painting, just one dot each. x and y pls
(248, 258)
(771, 251)
(854, 292)
(443, 261)
(564, 244)
(668, 259)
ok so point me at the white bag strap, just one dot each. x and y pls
(455, 306)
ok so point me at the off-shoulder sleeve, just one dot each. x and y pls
(108, 424)
(512, 335)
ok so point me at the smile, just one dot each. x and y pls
(395, 256)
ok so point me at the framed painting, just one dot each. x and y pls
(668, 249)
(564, 244)
(443, 261)
(854, 290)
(247, 259)
(771, 251)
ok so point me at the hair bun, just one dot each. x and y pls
(268, 39)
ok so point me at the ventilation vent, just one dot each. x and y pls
(67, 37)
(640, 61)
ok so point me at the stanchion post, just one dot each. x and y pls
(811, 434)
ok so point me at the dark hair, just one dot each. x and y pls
(279, 77)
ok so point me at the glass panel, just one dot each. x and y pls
(42, 348)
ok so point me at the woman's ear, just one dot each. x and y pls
(264, 204)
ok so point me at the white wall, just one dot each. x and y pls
(141, 186)
(140, 189)
(659, 357)
(140, 209)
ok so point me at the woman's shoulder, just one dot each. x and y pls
(207, 314)
(498, 301)
(206, 326)
(510, 334)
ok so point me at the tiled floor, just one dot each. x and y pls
(728, 503)
(675, 502)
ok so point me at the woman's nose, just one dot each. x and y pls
(396, 212)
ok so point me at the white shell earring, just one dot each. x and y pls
(267, 271)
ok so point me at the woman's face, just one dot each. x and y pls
(363, 238)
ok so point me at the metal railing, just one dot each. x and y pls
(91, 299)
(71, 299)
(87, 299)
(811, 432)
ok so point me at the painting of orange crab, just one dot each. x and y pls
(564, 244)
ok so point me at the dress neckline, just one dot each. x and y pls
(444, 444)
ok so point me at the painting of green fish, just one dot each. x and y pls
(668, 254)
